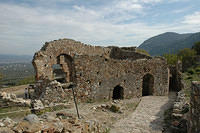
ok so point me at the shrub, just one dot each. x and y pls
(114, 108)
(197, 69)
(191, 71)
(189, 77)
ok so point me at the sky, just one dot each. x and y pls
(25, 25)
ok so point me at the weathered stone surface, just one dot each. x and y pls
(37, 105)
(7, 122)
(94, 72)
(6, 130)
(50, 123)
(179, 114)
(27, 127)
(8, 99)
(32, 118)
(194, 125)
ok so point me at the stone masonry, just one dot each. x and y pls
(97, 73)
(194, 121)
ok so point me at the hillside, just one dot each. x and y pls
(15, 58)
(15, 69)
(169, 42)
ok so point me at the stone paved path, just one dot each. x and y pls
(148, 116)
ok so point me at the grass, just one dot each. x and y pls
(20, 112)
(14, 112)
(50, 109)
(193, 74)
(107, 130)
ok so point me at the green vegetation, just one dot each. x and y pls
(169, 43)
(114, 108)
(50, 109)
(27, 80)
(196, 47)
(1, 76)
(16, 74)
(14, 112)
(107, 130)
(187, 56)
(142, 51)
(171, 58)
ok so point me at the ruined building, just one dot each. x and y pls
(97, 73)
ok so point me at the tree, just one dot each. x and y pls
(171, 58)
(196, 47)
(1, 76)
(187, 56)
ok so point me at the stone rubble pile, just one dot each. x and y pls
(60, 122)
(54, 92)
(179, 113)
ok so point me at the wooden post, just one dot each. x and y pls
(75, 103)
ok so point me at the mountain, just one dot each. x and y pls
(15, 58)
(169, 42)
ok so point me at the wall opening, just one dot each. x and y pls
(63, 71)
(147, 85)
(172, 83)
(58, 73)
(118, 92)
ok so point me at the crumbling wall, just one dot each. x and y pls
(194, 125)
(97, 77)
(95, 72)
(47, 56)
(125, 53)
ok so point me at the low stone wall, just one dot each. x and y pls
(179, 114)
(10, 100)
(194, 125)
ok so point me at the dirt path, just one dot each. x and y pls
(148, 116)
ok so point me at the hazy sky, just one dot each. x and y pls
(25, 25)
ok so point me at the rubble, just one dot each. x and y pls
(49, 123)
(11, 100)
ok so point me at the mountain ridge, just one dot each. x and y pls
(169, 42)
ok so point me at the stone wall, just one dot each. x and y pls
(194, 125)
(99, 77)
(95, 71)
(125, 53)
(175, 77)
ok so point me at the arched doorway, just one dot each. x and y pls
(118, 92)
(63, 71)
(147, 85)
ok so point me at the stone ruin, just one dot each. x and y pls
(96, 73)
(194, 116)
